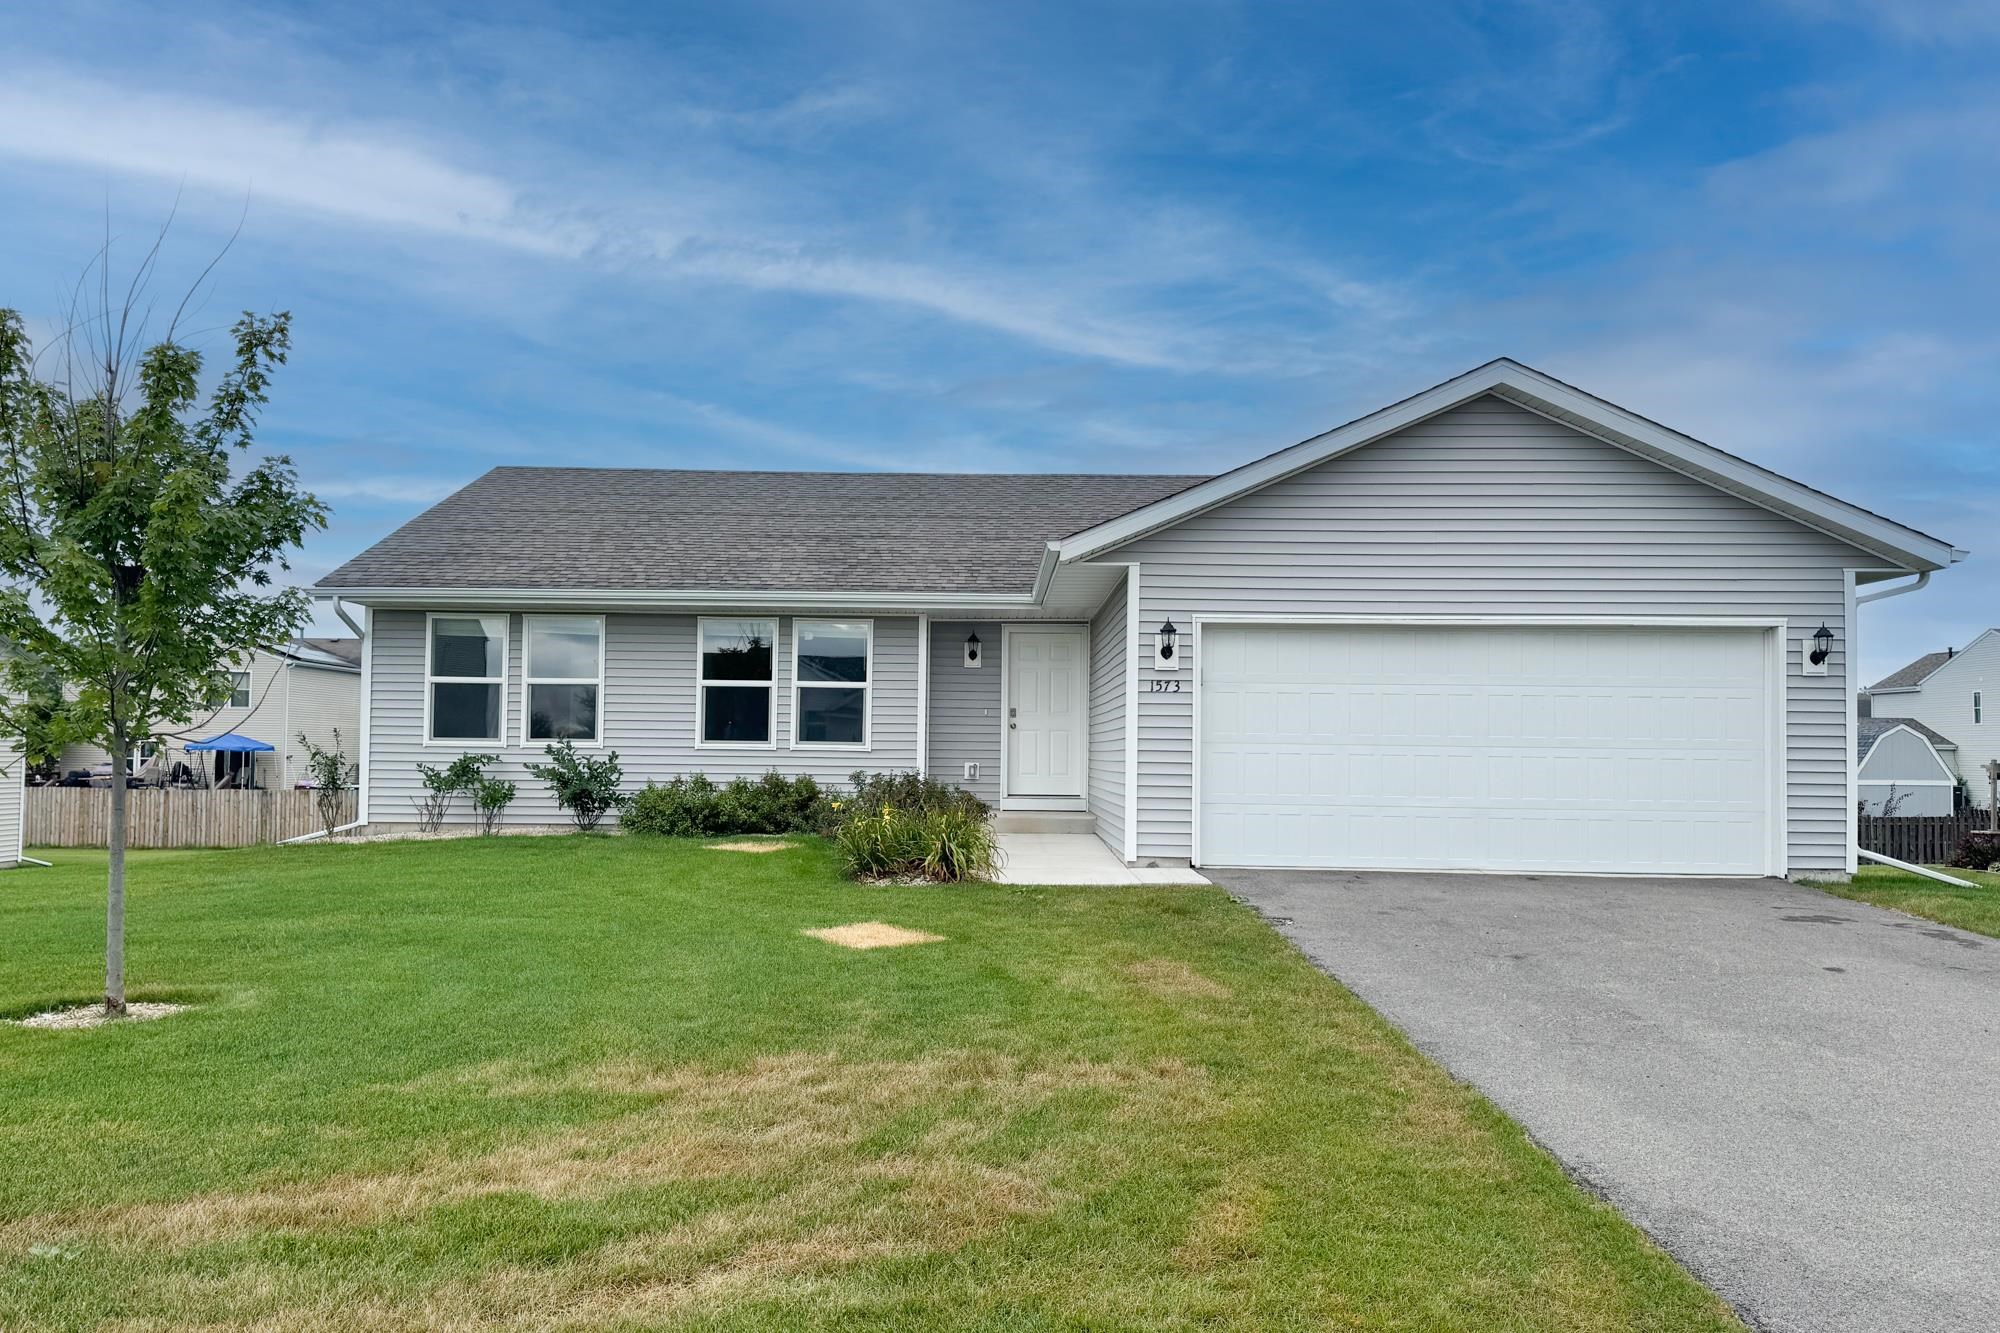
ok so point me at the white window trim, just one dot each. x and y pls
(506, 649)
(1978, 707)
(248, 698)
(529, 680)
(136, 762)
(867, 686)
(701, 684)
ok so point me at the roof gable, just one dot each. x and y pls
(1902, 547)
(1918, 673)
(1871, 731)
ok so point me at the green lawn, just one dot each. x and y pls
(1976, 910)
(607, 1083)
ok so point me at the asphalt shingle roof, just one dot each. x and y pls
(1914, 673)
(1868, 730)
(347, 650)
(638, 528)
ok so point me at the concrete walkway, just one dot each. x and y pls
(1076, 858)
(1797, 1095)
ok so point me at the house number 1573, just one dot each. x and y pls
(1164, 686)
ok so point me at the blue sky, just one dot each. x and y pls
(1141, 237)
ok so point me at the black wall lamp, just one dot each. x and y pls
(1822, 645)
(972, 650)
(1167, 636)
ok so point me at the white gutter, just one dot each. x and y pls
(630, 599)
(31, 861)
(1909, 869)
(1897, 591)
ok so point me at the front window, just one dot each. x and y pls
(1975, 706)
(830, 662)
(239, 689)
(466, 677)
(736, 681)
(565, 675)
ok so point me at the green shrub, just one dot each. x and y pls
(1977, 851)
(491, 797)
(683, 808)
(586, 787)
(692, 806)
(773, 803)
(462, 774)
(943, 845)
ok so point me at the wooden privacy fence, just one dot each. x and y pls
(173, 816)
(1924, 839)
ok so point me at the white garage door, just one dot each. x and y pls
(1622, 750)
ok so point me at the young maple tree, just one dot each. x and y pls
(137, 559)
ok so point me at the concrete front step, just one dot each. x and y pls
(1045, 821)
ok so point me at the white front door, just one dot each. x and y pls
(1046, 685)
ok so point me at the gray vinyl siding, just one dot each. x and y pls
(965, 707)
(319, 701)
(647, 705)
(1489, 509)
(1908, 763)
(1108, 652)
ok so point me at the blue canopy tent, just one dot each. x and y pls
(232, 744)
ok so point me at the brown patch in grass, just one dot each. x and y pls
(1224, 1231)
(873, 935)
(749, 845)
(792, 1122)
(1171, 979)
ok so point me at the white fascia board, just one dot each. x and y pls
(630, 599)
(1551, 397)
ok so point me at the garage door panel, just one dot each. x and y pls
(1486, 748)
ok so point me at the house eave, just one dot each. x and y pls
(676, 599)
(1905, 548)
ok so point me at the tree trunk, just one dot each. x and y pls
(114, 892)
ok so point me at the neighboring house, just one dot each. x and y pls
(1904, 760)
(1954, 692)
(13, 813)
(310, 685)
(1500, 625)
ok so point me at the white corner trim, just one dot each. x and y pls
(1536, 391)
(923, 694)
(1132, 589)
(1850, 603)
(367, 765)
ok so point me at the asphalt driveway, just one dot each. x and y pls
(1797, 1095)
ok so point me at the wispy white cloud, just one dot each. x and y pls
(357, 173)
(388, 489)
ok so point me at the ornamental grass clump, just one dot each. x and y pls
(946, 846)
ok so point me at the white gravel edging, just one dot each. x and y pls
(93, 1015)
